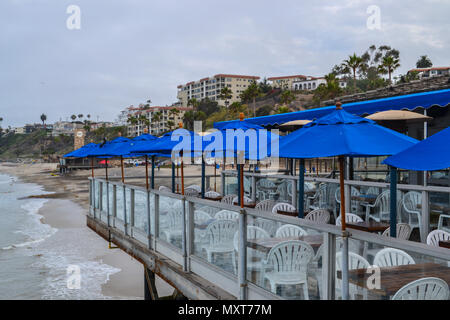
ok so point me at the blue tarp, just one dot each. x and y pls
(343, 134)
(404, 102)
(430, 154)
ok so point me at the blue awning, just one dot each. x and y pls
(405, 102)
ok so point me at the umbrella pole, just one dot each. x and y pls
(345, 283)
(146, 171)
(203, 177)
(239, 184)
(92, 167)
(121, 165)
(301, 189)
(182, 178)
(393, 198)
(215, 169)
(341, 182)
(106, 169)
(153, 173)
(177, 179)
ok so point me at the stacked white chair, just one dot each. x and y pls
(355, 261)
(220, 235)
(410, 202)
(228, 199)
(287, 264)
(424, 289)
(437, 235)
(265, 205)
(319, 216)
(289, 230)
(226, 215)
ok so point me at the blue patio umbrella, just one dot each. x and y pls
(430, 154)
(342, 134)
(82, 152)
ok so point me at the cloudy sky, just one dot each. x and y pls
(128, 51)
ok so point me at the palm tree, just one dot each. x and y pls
(174, 112)
(43, 119)
(252, 92)
(287, 97)
(424, 62)
(194, 103)
(132, 120)
(73, 117)
(157, 117)
(226, 94)
(389, 65)
(353, 63)
(145, 121)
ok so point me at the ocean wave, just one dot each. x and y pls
(33, 229)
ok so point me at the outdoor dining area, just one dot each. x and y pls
(289, 224)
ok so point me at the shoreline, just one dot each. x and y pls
(124, 284)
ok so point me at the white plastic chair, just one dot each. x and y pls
(424, 289)
(319, 200)
(268, 225)
(254, 257)
(383, 206)
(410, 201)
(355, 261)
(437, 235)
(403, 231)
(265, 205)
(173, 228)
(354, 203)
(288, 265)
(191, 192)
(263, 187)
(319, 216)
(349, 217)
(220, 235)
(210, 210)
(390, 257)
(228, 199)
(247, 200)
(212, 194)
(195, 187)
(164, 189)
(441, 222)
(283, 207)
(226, 215)
(199, 218)
(289, 230)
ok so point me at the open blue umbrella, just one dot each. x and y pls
(345, 135)
(82, 152)
(430, 154)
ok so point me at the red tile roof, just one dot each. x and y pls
(428, 69)
(286, 77)
(235, 76)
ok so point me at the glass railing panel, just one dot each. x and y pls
(171, 220)
(140, 210)
(97, 194)
(215, 235)
(128, 203)
(119, 203)
(378, 272)
(285, 259)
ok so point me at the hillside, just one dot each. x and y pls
(39, 145)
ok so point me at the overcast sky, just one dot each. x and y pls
(128, 51)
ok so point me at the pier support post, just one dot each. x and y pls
(150, 291)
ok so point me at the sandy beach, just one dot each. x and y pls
(66, 211)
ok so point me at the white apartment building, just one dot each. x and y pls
(312, 83)
(211, 88)
(285, 82)
(66, 127)
(168, 120)
(431, 72)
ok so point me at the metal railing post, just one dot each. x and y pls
(344, 267)
(190, 234)
(222, 176)
(183, 239)
(114, 204)
(125, 224)
(242, 264)
(100, 199)
(107, 203)
(132, 211)
(149, 223)
(329, 267)
(425, 216)
(156, 219)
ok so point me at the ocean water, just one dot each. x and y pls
(37, 261)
